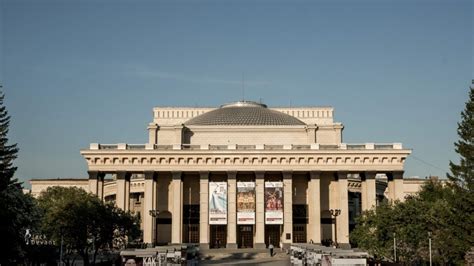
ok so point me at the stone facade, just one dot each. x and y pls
(188, 149)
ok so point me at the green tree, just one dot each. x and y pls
(18, 211)
(84, 222)
(374, 231)
(462, 174)
(446, 210)
(8, 153)
(462, 184)
(409, 222)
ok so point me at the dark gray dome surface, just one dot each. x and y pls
(244, 113)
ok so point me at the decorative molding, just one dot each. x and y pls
(391, 161)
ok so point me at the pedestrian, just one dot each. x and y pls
(271, 249)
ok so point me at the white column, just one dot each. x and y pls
(369, 191)
(395, 186)
(314, 207)
(231, 209)
(100, 186)
(177, 215)
(152, 133)
(122, 200)
(287, 207)
(204, 209)
(93, 181)
(260, 210)
(343, 219)
(149, 225)
(127, 194)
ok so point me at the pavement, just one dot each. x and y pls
(243, 256)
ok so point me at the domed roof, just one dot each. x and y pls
(244, 113)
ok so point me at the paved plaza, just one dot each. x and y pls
(244, 256)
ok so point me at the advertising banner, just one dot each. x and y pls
(217, 202)
(273, 202)
(245, 202)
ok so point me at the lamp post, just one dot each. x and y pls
(334, 214)
(154, 214)
(395, 247)
(429, 243)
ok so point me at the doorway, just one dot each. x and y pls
(299, 233)
(163, 228)
(272, 235)
(191, 224)
(218, 236)
(245, 236)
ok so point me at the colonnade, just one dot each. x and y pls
(339, 201)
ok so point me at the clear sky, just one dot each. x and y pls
(78, 72)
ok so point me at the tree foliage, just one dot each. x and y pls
(8, 153)
(446, 210)
(462, 181)
(409, 222)
(85, 224)
(18, 211)
(462, 174)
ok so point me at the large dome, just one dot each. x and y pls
(244, 113)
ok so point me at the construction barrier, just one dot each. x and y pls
(160, 256)
(311, 254)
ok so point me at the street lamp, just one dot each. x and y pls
(429, 242)
(154, 214)
(334, 214)
(395, 247)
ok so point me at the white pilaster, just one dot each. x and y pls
(343, 219)
(123, 188)
(149, 225)
(260, 210)
(287, 207)
(204, 209)
(231, 209)
(177, 215)
(369, 191)
(314, 207)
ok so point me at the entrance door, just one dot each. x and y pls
(191, 224)
(163, 228)
(299, 233)
(218, 236)
(245, 236)
(272, 234)
(191, 233)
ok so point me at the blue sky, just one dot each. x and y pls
(76, 72)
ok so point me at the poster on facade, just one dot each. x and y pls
(217, 202)
(245, 202)
(273, 202)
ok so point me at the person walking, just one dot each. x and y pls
(271, 249)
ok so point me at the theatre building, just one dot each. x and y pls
(244, 175)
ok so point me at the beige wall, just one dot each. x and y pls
(412, 186)
(247, 135)
(191, 189)
(329, 134)
(40, 185)
(164, 129)
(178, 115)
(300, 189)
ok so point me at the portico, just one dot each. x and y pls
(244, 175)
